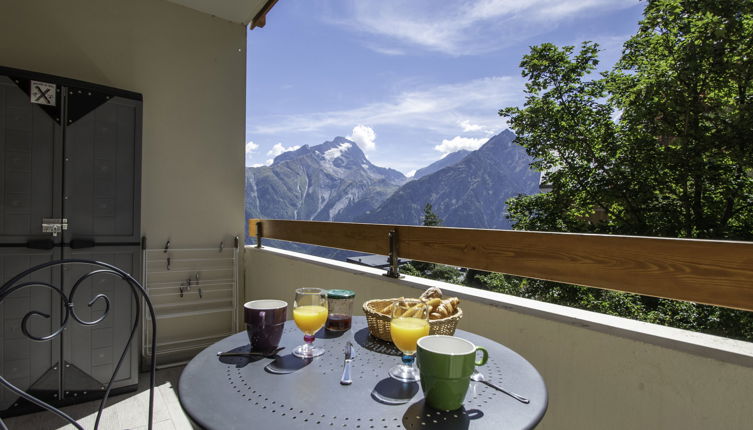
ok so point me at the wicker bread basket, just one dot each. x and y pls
(379, 324)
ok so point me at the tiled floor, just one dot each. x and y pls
(127, 411)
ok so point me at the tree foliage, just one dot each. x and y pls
(430, 218)
(659, 145)
(662, 143)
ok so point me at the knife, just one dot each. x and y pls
(350, 354)
(250, 353)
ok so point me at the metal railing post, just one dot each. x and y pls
(258, 234)
(393, 270)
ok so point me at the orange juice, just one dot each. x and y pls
(310, 318)
(406, 332)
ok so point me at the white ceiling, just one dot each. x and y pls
(240, 11)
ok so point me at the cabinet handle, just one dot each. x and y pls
(82, 243)
(40, 244)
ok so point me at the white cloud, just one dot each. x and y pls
(364, 136)
(437, 109)
(333, 153)
(411, 174)
(250, 148)
(279, 148)
(467, 126)
(458, 142)
(387, 51)
(260, 164)
(465, 28)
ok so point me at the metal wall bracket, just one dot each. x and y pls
(393, 270)
(258, 234)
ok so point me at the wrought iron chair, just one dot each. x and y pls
(99, 269)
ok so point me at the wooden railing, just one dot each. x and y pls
(704, 271)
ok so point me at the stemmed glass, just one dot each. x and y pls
(309, 314)
(410, 322)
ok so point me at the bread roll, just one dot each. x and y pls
(431, 293)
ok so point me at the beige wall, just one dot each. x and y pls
(596, 379)
(190, 68)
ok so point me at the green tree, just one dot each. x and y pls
(678, 160)
(660, 145)
(430, 218)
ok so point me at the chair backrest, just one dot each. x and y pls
(69, 312)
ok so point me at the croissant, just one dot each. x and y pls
(433, 303)
(447, 307)
(444, 310)
(410, 312)
(431, 293)
(387, 310)
(438, 307)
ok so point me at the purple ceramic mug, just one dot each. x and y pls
(265, 320)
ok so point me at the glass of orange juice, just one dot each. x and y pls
(309, 314)
(410, 322)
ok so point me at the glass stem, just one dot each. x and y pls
(309, 339)
(408, 360)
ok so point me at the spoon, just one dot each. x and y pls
(479, 377)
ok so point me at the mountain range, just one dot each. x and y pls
(334, 181)
(469, 193)
(449, 160)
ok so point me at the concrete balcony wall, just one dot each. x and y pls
(602, 372)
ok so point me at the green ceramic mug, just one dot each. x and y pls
(446, 364)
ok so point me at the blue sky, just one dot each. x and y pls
(409, 81)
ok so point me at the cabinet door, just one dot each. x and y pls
(30, 365)
(29, 148)
(77, 160)
(91, 352)
(101, 176)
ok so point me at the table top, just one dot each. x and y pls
(290, 392)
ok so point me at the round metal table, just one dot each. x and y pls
(286, 392)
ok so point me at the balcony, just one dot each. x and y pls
(601, 371)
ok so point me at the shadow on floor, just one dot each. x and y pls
(125, 411)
